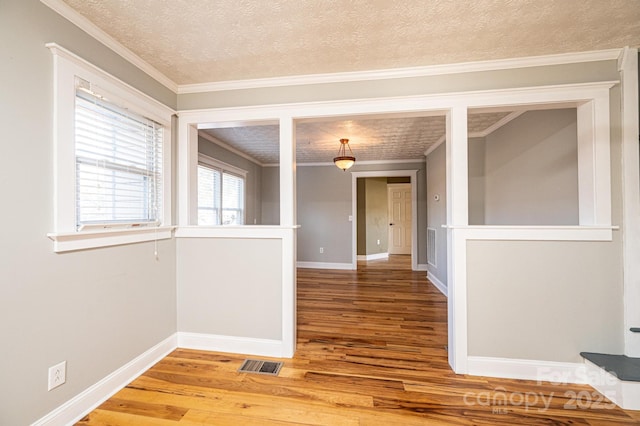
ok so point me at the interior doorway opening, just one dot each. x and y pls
(384, 216)
(383, 221)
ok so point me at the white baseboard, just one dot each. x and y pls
(324, 265)
(437, 283)
(375, 256)
(623, 393)
(526, 369)
(82, 404)
(231, 344)
(421, 267)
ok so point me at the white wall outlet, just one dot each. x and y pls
(350, 218)
(321, 249)
(378, 242)
(57, 375)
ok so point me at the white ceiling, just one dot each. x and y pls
(206, 41)
(201, 41)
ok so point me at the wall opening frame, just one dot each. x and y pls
(591, 99)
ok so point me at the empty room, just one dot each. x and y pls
(320, 212)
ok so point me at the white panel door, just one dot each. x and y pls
(399, 198)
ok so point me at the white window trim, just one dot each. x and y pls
(228, 168)
(66, 237)
(217, 164)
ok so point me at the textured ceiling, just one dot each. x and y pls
(370, 139)
(200, 41)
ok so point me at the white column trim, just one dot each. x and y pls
(287, 171)
(288, 219)
(187, 173)
(570, 95)
(457, 215)
(628, 66)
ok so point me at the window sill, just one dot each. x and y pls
(71, 241)
(225, 231)
(537, 233)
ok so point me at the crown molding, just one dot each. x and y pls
(484, 133)
(495, 126)
(90, 28)
(228, 147)
(435, 145)
(423, 71)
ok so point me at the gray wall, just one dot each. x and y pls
(531, 170)
(544, 300)
(253, 182)
(477, 178)
(270, 195)
(362, 217)
(437, 210)
(324, 207)
(96, 309)
(215, 298)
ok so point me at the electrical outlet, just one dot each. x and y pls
(321, 249)
(378, 242)
(57, 375)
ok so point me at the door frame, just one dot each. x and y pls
(413, 174)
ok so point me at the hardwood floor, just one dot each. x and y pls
(371, 351)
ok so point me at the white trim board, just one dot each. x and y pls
(409, 72)
(527, 369)
(79, 406)
(456, 104)
(376, 256)
(325, 265)
(437, 283)
(624, 394)
(422, 267)
(628, 68)
(231, 344)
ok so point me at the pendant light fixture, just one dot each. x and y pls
(344, 161)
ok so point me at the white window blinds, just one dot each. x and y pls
(118, 164)
(220, 196)
(208, 196)
(232, 199)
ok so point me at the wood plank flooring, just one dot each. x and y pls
(371, 351)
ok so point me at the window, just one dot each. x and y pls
(112, 161)
(118, 163)
(220, 193)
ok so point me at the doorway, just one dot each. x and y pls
(409, 224)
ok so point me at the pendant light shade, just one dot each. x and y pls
(344, 161)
